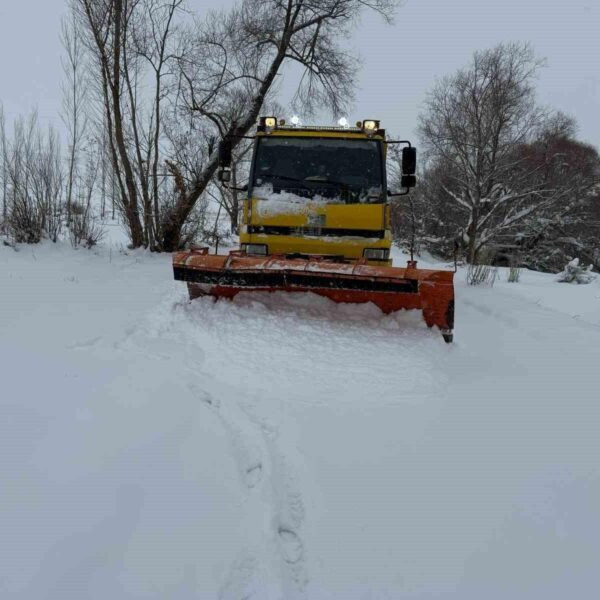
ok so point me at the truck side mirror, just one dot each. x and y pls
(225, 151)
(409, 161)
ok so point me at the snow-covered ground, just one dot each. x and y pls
(284, 447)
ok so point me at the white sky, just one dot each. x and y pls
(430, 38)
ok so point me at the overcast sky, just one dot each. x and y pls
(429, 39)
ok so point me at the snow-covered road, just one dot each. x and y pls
(283, 447)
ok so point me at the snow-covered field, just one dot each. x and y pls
(283, 447)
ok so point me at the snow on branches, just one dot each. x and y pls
(498, 164)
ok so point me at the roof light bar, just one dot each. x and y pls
(369, 126)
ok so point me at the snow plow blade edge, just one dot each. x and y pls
(389, 288)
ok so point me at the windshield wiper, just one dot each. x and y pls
(330, 181)
(271, 176)
(307, 179)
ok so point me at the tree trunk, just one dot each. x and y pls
(131, 203)
(4, 188)
(171, 231)
(235, 203)
(472, 245)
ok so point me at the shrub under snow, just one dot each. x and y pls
(575, 273)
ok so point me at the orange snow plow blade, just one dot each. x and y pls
(389, 288)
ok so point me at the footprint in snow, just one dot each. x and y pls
(203, 395)
(254, 475)
(291, 545)
(84, 344)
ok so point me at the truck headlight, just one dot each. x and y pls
(376, 253)
(260, 249)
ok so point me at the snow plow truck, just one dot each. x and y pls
(317, 219)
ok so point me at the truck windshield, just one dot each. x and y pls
(337, 170)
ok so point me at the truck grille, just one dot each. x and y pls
(316, 231)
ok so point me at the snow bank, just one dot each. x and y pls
(575, 273)
(282, 446)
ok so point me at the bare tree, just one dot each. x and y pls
(157, 46)
(474, 123)
(103, 24)
(75, 96)
(4, 172)
(24, 217)
(132, 44)
(34, 181)
(85, 228)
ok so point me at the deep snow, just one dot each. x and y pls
(282, 446)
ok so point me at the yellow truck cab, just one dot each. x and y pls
(318, 191)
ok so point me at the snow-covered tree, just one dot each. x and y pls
(569, 227)
(474, 123)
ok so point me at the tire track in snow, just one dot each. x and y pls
(248, 454)
(539, 325)
(265, 472)
(274, 566)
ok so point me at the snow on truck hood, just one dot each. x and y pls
(287, 203)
